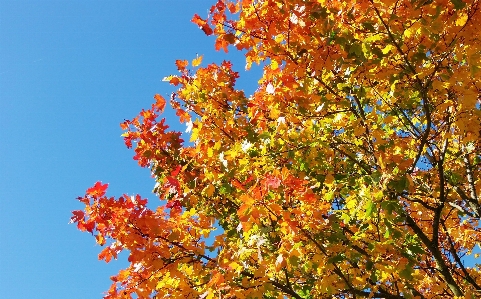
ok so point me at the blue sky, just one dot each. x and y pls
(70, 72)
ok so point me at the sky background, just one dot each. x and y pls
(70, 73)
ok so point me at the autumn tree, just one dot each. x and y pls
(353, 171)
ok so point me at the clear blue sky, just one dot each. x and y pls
(70, 72)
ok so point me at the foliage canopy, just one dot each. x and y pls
(353, 171)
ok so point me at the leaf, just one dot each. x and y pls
(336, 259)
(176, 171)
(160, 102)
(356, 49)
(197, 61)
(221, 43)
(209, 190)
(462, 19)
(181, 64)
(202, 24)
(230, 38)
(406, 273)
(274, 65)
(387, 49)
(458, 4)
(329, 179)
(77, 216)
(98, 190)
(369, 208)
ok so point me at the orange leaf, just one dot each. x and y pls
(202, 24)
(246, 199)
(232, 7)
(221, 43)
(184, 116)
(181, 64)
(106, 254)
(160, 102)
(174, 81)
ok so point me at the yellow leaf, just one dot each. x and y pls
(197, 61)
(235, 266)
(387, 49)
(274, 65)
(408, 32)
(381, 162)
(462, 19)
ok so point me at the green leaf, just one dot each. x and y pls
(303, 166)
(294, 260)
(370, 208)
(265, 135)
(458, 4)
(407, 273)
(356, 49)
(368, 26)
(389, 206)
(416, 249)
(369, 265)
(336, 259)
(305, 292)
(400, 184)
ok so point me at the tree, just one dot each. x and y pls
(352, 172)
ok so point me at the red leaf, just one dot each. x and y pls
(232, 7)
(173, 204)
(176, 171)
(89, 226)
(77, 216)
(98, 190)
(86, 226)
(173, 183)
(174, 81)
(207, 30)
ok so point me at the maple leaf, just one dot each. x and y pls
(202, 24)
(181, 64)
(77, 216)
(160, 102)
(98, 190)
